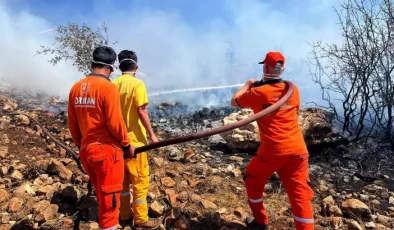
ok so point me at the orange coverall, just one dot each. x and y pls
(96, 125)
(282, 150)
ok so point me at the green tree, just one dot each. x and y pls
(76, 42)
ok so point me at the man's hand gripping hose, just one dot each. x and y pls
(176, 140)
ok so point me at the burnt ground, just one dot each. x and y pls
(202, 170)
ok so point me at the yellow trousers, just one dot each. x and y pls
(136, 172)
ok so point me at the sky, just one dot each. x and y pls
(180, 44)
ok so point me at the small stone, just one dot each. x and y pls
(58, 168)
(168, 182)
(192, 183)
(370, 225)
(240, 213)
(3, 152)
(391, 200)
(221, 210)
(353, 225)
(183, 196)
(5, 218)
(156, 209)
(4, 171)
(237, 159)
(236, 172)
(15, 204)
(48, 214)
(93, 226)
(208, 204)
(67, 222)
(195, 198)
(158, 161)
(356, 207)
(336, 222)
(282, 211)
(375, 202)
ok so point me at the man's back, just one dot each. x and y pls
(279, 131)
(132, 95)
(92, 102)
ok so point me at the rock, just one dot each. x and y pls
(375, 202)
(44, 190)
(40, 206)
(15, 204)
(384, 219)
(42, 180)
(391, 200)
(182, 223)
(67, 222)
(245, 137)
(93, 226)
(329, 208)
(3, 152)
(156, 209)
(370, 225)
(357, 208)
(4, 171)
(353, 225)
(195, 198)
(237, 159)
(48, 214)
(4, 195)
(221, 210)
(22, 119)
(158, 161)
(5, 139)
(24, 189)
(168, 182)
(208, 204)
(336, 222)
(236, 172)
(59, 169)
(183, 196)
(5, 218)
(240, 213)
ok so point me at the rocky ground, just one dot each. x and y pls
(194, 185)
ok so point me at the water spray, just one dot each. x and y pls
(193, 89)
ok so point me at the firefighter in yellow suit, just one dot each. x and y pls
(134, 99)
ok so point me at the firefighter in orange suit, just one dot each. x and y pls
(97, 128)
(282, 150)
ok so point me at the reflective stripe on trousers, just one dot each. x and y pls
(111, 228)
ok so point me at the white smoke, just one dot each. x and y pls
(175, 53)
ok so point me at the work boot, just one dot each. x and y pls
(253, 225)
(151, 224)
(127, 222)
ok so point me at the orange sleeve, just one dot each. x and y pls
(73, 121)
(113, 113)
(246, 100)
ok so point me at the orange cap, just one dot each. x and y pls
(272, 58)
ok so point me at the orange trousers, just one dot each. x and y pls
(294, 175)
(104, 165)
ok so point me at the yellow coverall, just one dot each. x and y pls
(133, 95)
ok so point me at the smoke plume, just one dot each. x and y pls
(174, 51)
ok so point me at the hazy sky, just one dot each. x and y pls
(179, 43)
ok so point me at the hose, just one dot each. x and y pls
(221, 129)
